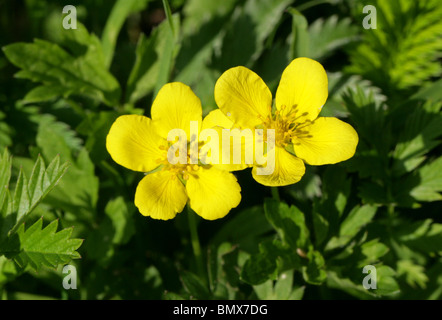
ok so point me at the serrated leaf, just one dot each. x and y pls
(78, 191)
(328, 35)
(37, 246)
(28, 194)
(394, 59)
(49, 64)
(414, 274)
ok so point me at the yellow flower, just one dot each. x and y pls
(300, 135)
(141, 144)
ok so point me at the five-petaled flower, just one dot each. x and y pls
(141, 144)
(300, 135)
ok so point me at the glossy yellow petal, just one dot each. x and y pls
(243, 96)
(304, 87)
(227, 149)
(133, 143)
(174, 107)
(287, 170)
(160, 195)
(328, 141)
(216, 118)
(213, 193)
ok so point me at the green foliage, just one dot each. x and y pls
(35, 247)
(64, 74)
(404, 49)
(61, 90)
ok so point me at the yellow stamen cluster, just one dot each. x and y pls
(288, 125)
(179, 170)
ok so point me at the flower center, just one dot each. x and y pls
(288, 125)
(182, 171)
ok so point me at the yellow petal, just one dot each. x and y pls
(231, 149)
(160, 195)
(216, 118)
(174, 107)
(288, 169)
(329, 140)
(304, 87)
(213, 193)
(133, 143)
(243, 96)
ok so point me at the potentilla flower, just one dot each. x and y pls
(300, 135)
(141, 144)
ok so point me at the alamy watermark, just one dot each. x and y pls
(370, 281)
(235, 143)
(70, 280)
(70, 20)
(370, 21)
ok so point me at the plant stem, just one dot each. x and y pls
(195, 242)
(275, 193)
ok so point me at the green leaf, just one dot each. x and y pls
(430, 182)
(5, 175)
(433, 91)
(121, 216)
(386, 281)
(49, 64)
(414, 274)
(28, 194)
(78, 191)
(299, 39)
(372, 250)
(314, 272)
(37, 246)
(5, 132)
(194, 285)
(328, 35)
(418, 136)
(155, 58)
(422, 236)
(250, 27)
(245, 228)
(8, 270)
(281, 289)
(352, 224)
(289, 222)
(120, 11)
(356, 219)
(262, 266)
(394, 59)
